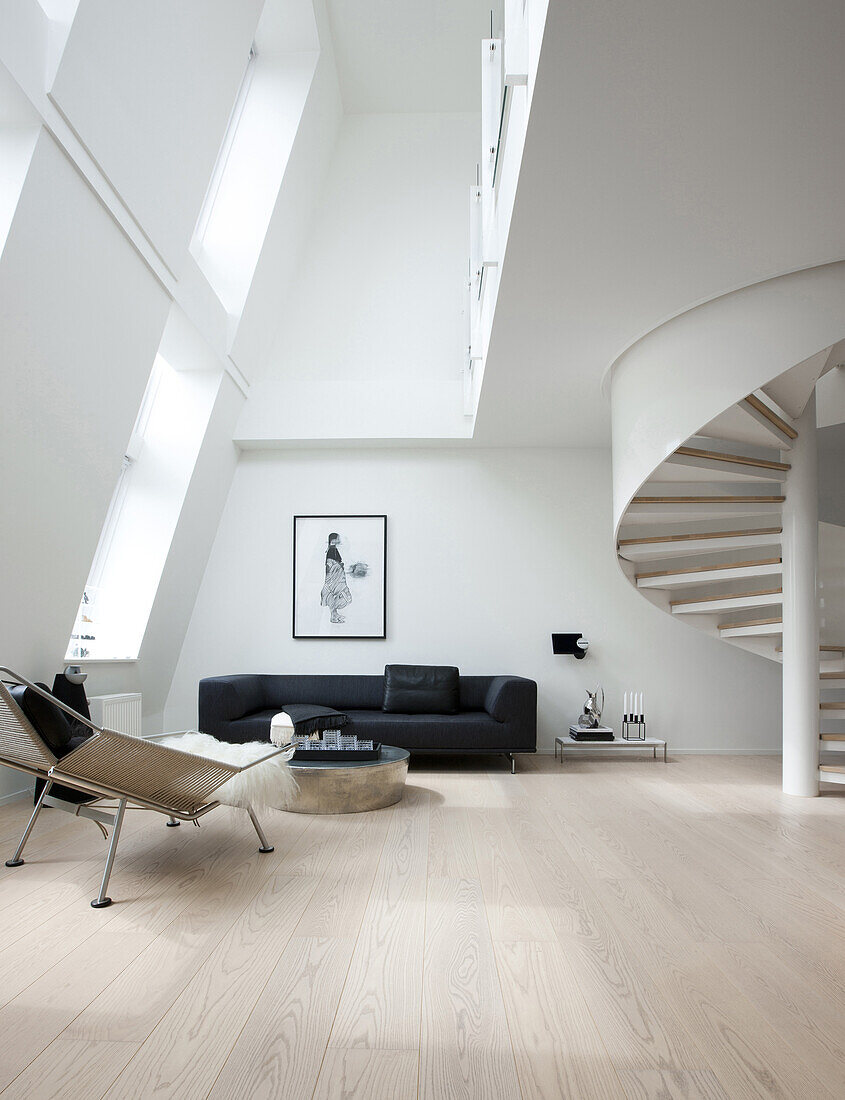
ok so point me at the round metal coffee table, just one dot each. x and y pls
(338, 787)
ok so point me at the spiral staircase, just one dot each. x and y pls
(711, 532)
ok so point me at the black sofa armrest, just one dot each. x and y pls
(511, 698)
(224, 699)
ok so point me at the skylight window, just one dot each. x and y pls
(241, 196)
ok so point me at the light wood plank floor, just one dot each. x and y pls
(610, 928)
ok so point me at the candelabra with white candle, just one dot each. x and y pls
(633, 717)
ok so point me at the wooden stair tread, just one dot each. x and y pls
(750, 622)
(727, 596)
(651, 539)
(832, 675)
(741, 460)
(709, 500)
(832, 737)
(771, 416)
(832, 768)
(832, 706)
(708, 568)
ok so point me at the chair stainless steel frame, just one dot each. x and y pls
(109, 765)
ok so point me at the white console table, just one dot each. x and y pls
(617, 745)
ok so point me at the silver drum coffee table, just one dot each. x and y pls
(337, 787)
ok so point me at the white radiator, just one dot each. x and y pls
(117, 712)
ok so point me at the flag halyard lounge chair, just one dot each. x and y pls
(96, 764)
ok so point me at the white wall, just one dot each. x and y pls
(831, 583)
(489, 552)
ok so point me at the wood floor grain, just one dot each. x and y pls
(367, 1074)
(380, 1004)
(282, 1045)
(605, 930)
(465, 1049)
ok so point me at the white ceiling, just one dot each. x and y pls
(675, 152)
(399, 56)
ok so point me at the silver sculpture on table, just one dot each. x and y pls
(591, 717)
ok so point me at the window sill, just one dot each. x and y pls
(101, 660)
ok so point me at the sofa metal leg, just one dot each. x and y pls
(102, 901)
(172, 823)
(510, 757)
(16, 860)
(265, 847)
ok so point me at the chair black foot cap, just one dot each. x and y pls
(14, 862)
(271, 848)
(173, 824)
(104, 904)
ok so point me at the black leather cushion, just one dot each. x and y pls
(421, 689)
(53, 724)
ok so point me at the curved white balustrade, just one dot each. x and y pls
(682, 375)
(714, 523)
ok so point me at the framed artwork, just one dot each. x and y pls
(339, 576)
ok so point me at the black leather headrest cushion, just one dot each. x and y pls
(49, 721)
(421, 689)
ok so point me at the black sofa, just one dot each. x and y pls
(498, 714)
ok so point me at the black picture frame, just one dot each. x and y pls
(308, 530)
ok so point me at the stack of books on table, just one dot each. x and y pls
(599, 733)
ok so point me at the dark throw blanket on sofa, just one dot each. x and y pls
(308, 718)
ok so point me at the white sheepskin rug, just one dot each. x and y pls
(269, 784)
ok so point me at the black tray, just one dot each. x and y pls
(338, 756)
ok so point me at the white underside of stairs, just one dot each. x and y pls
(711, 576)
(729, 603)
(681, 511)
(832, 742)
(752, 630)
(743, 424)
(690, 468)
(829, 661)
(650, 550)
(832, 711)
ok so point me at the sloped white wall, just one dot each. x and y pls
(489, 552)
(149, 89)
(292, 217)
(80, 321)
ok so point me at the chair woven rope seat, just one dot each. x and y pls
(111, 765)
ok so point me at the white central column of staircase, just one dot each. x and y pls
(801, 717)
(715, 485)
